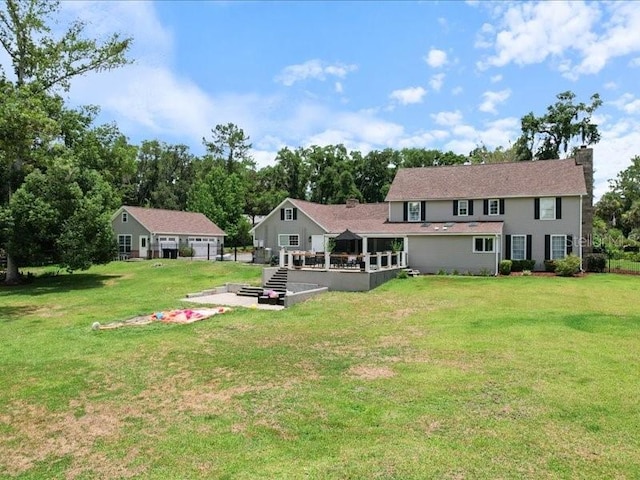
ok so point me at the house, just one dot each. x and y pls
(463, 218)
(156, 233)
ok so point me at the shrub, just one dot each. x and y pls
(520, 265)
(595, 262)
(455, 272)
(505, 267)
(186, 251)
(441, 272)
(526, 273)
(549, 265)
(402, 274)
(568, 266)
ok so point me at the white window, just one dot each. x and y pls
(558, 247)
(125, 217)
(463, 207)
(414, 211)
(483, 245)
(288, 214)
(518, 247)
(286, 240)
(494, 206)
(124, 244)
(548, 208)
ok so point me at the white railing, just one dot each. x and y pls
(367, 262)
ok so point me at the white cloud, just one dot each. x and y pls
(457, 90)
(338, 87)
(492, 99)
(618, 145)
(496, 78)
(447, 119)
(628, 104)
(436, 58)
(579, 37)
(437, 81)
(610, 86)
(634, 62)
(409, 95)
(312, 69)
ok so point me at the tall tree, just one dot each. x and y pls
(620, 207)
(231, 146)
(552, 134)
(43, 64)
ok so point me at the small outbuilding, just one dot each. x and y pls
(157, 233)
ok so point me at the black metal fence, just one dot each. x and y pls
(624, 260)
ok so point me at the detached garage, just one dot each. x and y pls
(157, 233)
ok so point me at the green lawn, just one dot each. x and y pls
(430, 377)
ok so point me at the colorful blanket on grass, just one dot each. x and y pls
(167, 316)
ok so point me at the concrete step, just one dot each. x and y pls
(250, 291)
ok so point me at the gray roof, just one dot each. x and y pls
(495, 180)
(161, 221)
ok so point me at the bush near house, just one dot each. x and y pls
(550, 265)
(505, 267)
(595, 262)
(520, 265)
(568, 266)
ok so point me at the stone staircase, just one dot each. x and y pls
(277, 283)
(248, 291)
(412, 272)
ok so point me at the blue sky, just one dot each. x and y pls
(446, 75)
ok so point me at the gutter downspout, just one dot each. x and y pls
(581, 239)
(498, 250)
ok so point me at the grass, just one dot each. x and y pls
(430, 377)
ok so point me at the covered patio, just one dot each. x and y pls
(349, 251)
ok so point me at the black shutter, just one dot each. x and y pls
(455, 208)
(529, 247)
(536, 208)
(558, 208)
(282, 214)
(547, 247)
(485, 207)
(507, 247)
(406, 211)
(423, 210)
(470, 212)
(502, 206)
(295, 213)
(569, 244)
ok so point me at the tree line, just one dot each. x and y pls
(62, 176)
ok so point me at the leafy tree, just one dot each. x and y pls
(221, 197)
(293, 169)
(620, 207)
(230, 146)
(43, 64)
(164, 176)
(62, 215)
(374, 173)
(547, 136)
(420, 157)
(331, 174)
(482, 154)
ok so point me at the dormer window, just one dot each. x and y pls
(125, 217)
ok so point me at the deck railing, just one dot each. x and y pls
(365, 262)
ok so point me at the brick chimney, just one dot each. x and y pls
(584, 157)
(352, 202)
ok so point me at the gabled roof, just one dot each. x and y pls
(161, 221)
(495, 180)
(359, 218)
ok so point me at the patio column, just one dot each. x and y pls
(327, 259)
(365, 245)
(282, 258)
(367, 263)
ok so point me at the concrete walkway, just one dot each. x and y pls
(231, 300)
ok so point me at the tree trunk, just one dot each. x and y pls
(13, 276)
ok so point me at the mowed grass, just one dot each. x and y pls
(430, 377)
